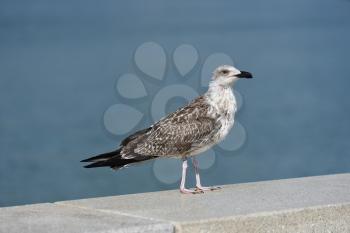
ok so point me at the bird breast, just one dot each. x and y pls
(222, 107)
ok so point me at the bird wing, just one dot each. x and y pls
(174, 135)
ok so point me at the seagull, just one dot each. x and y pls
(185, 133)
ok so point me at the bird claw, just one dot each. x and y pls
(199, 190)
(213, 188)
(190, 191)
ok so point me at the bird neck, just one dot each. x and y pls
(221, 97)
(216, 90)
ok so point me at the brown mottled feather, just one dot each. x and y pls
(175, 135)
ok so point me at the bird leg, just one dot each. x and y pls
(183, 180)
(198, 179)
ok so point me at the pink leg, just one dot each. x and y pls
(198, 179)
(183, 180)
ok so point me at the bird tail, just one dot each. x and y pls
(112, 159)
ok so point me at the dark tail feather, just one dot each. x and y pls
(103, 157)
(116, 163)
(112, 159)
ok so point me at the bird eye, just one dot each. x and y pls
(225, 71)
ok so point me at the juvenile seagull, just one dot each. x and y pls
(184, 133)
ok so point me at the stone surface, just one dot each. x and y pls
(325, 219)
(312, 204)
(239, 199)
(61, 218)
(267, 203)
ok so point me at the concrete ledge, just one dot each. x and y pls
(61, 218)
(312, 204)
(319, 219)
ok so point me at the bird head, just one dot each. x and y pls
(226, 75)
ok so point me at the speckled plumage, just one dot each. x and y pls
(179, 134)
(186, 132)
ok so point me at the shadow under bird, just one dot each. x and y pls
(187, 132)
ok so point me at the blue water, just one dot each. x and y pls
(59, 61)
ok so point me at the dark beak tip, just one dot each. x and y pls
(245, 74)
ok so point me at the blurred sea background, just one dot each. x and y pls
(59, 61)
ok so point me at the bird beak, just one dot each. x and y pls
(244, 74)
